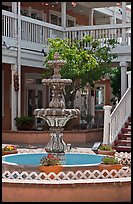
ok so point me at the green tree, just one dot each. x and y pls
(115, 82)
(83, 65)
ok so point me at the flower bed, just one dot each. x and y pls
(49, 164)
(9, 149)
(106, 150)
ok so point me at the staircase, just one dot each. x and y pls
(123, 141)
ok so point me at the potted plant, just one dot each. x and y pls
(109, 163)
(50, 163)
(106, 150)
(24, 122)
(9, 149)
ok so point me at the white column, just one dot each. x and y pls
(14, 10)
(106, 130)
(123, 22)
(123, 66)
(111, 20)
(63, 14)
(91, 16)
(114, 16)
(129, 78)
(19, 59)
(13, 98)
(14, 7)
(92, 107)
(124, 12)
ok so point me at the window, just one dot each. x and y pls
(33, 13)
(6, 6)
(55, 18)
(70, 23)
(24, 12)
(99, 97)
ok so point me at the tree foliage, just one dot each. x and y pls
(115, 81)
(86, 62)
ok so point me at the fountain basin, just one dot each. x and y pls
(30, 161)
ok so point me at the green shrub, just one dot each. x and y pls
(24, 122)
(110, 160)
(106, 147)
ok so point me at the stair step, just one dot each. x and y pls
(122, 148)
(124, 142)
(126, 130)
(128, 124)
(124, 135)
(129, 118)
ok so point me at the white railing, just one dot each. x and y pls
(32, 30)
(9, 22)
(120, 32)
(36, 31)
(114, 122)
(120, 115)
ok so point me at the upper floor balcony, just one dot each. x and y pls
(34, 34)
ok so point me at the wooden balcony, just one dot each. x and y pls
(34, 33)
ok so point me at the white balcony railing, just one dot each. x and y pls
(38, 32)
(32, 30)
(9, 21)
(120, 32)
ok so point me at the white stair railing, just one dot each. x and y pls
(114, 122)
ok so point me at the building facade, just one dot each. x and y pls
(26, 27)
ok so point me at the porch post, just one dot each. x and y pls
(14, 7)
(129, 78)
(19, 60)
(106, 130)
(92, 107)
(63, 16)
(13, 97)
(123, 22)
(123, 65)
(14, 10)
(114, 16)
(91, 16)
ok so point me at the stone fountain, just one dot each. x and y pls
(56, 115)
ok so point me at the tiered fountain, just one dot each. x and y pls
(56, 115)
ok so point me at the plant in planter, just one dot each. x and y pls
(109, 163)
(49, 164)
(9, 149)
(24, 122)
(106, 150)
(110, 160)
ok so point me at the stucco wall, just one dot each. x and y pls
(72, 192)
(42, 137)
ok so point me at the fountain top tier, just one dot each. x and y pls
(56, 110)
(56, 83)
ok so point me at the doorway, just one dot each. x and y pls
(35, 93)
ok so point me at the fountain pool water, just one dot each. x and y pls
(33, 159)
